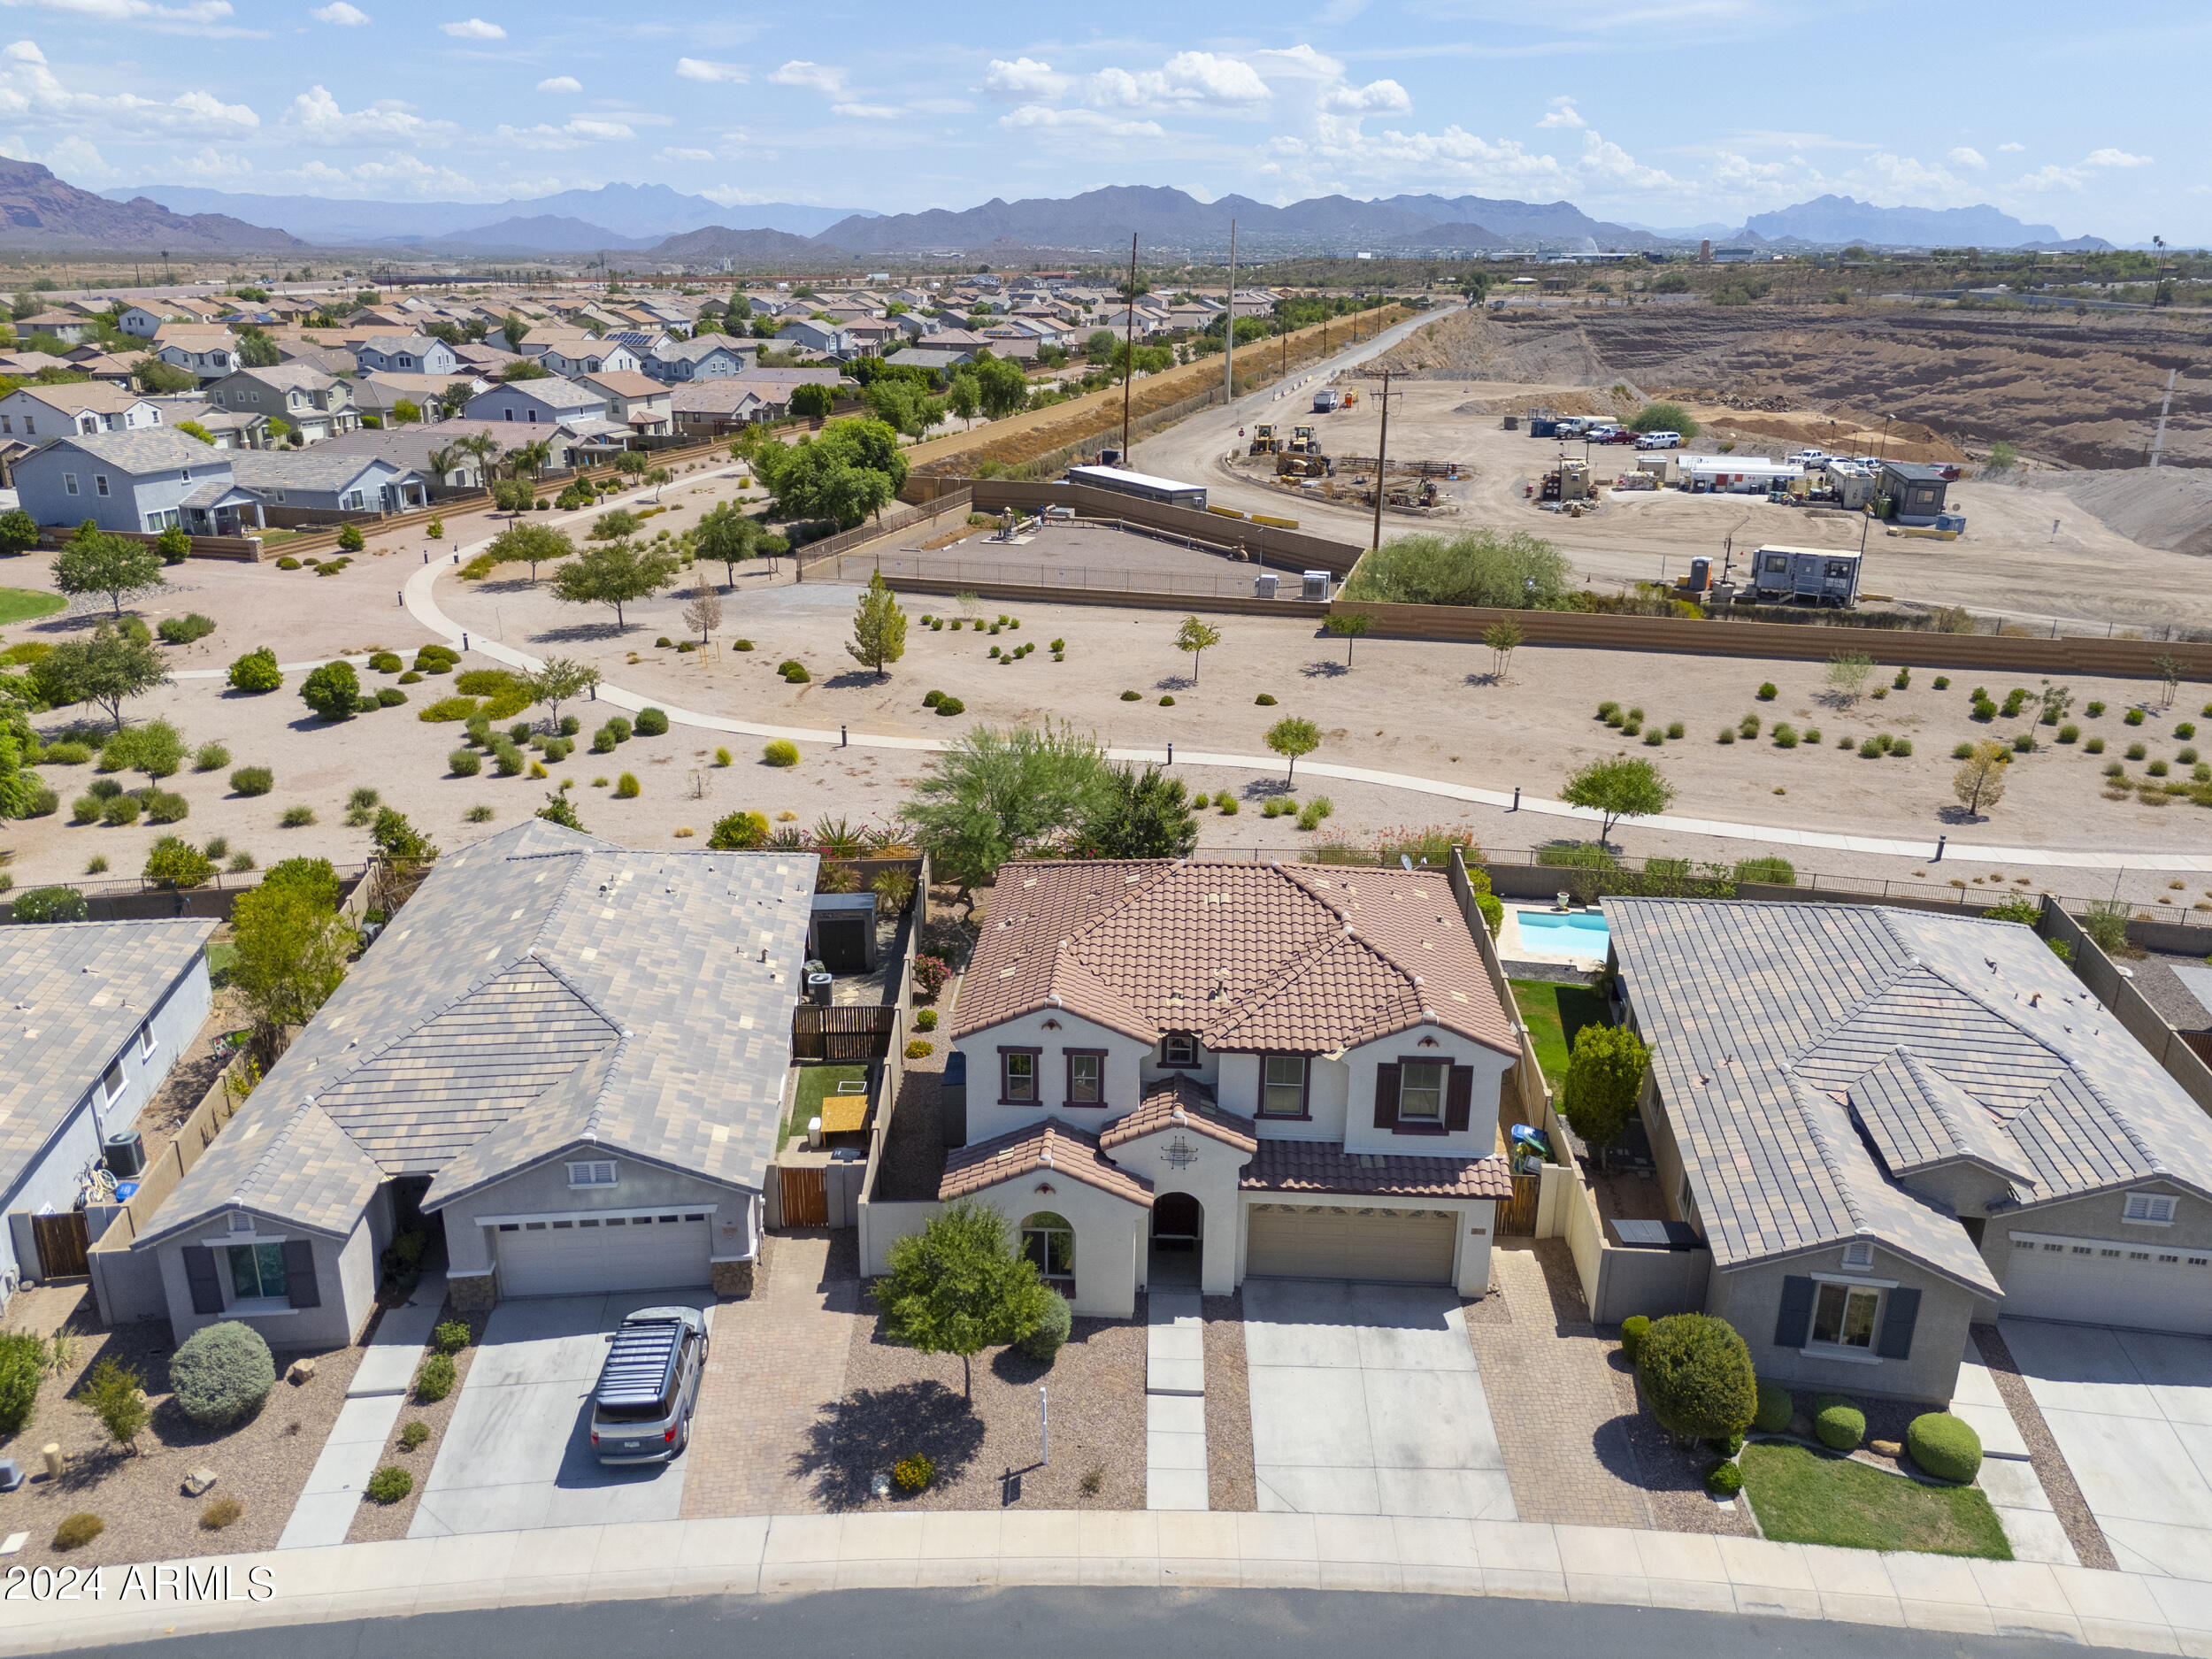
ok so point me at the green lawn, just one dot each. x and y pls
(28, 604)
(815, 1081)
(1805, 1496)
(1553, 1014)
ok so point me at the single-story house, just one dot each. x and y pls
(486, 360)
(97, 1014)
(114, 369)
(1288, 1070)
(226, 428)
(315, 405)
(46, 411)
(544, 402)
(569, 1057)
(636, 400)
(938, 362)
(405, 354)
(1888, 1125)
(143, 481)
(328, 480)
(410, 449)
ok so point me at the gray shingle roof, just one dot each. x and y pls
(144, 450)
(72, 994)
(1812, 1057)
(543, 989)
(319, 467)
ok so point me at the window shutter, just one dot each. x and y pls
(1795, 1322)
(199, 1273)
(1459, 1103)
(299, 1274)
(1386, 1097)
(1897, 1324)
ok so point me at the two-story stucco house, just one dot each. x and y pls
(812, 334)
(209, 354)
(405, 354)
(576, 353)
(317, 406)
(1287, 1070)
(708, 358)
(642, 404)
(85, 407)
(143, 481)
(543, 402)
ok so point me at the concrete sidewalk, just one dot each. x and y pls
(802, 1555)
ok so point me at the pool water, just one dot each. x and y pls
(1565, 932)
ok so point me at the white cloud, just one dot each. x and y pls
(316, 118)
(569, 135)
(867, 111)
(1024, 77)
(2010, 149)
(2043, 181)
(685, 155)
(823, 78)
(2113, 159)
(1038, 118)
(560, 83)
(1377, 97)
(338, 13)
(30, 91)
(1965, 155)
(474, 29)
(1561, 113)
(598, 127)
(1188, 79)
(77, 160)
(940, 106)
(1300, 62)
(196, 17)
(706, 69)
(397, 174)
(211, 163)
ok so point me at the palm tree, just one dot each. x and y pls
(445, 461)
(483, 446)
(531, 457)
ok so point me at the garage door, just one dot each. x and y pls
(1310, 1242)
(2139, 1284)
(560, 1258)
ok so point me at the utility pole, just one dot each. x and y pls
(1382, 460)
(1129, 346)
(1229, 333)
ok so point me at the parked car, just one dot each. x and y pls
(1660, 441)
(640, 1411)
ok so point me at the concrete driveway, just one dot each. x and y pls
(1366, 1401)
(517, 1452)
(2132, 1413)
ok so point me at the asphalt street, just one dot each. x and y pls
(1078, 1623)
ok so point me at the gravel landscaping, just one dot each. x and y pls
(1230, 1483)
(898, 1404)
(263, 1462)
(390, 1520)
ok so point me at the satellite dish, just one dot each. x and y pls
(1406, 859)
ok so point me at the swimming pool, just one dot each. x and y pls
(1565, 932)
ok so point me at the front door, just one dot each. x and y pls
(1178, 1222)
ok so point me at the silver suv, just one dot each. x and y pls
(640, 1411)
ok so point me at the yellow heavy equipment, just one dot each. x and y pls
(1265, 442)
(1303, 443)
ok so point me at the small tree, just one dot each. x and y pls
(1980, 781)
(117, 1395)
(1193, 638)
(560, 678)
(615, 575)
(729, 536)
(402, 846)
(703, 609)
(175, 863)
(1697, 1372)
(530, 544)
(1604, 1076)
(1504, 639)
(959, 1286)
(110, 565)
(102, 671)
(2168, 678)
(1349, 625)
(557, 809)
(174, 544)
(1146, 815)
(156, 748)
(811, 401)
(1293, 737)
(963, 398)
(19, 532)
(879, 628)
(1848, 672)
(406, 412)
(292, 951)
(332, 691)
(1617, 788)
(997, 795)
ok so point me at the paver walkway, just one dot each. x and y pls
(779, 1358)
(1174, 1400)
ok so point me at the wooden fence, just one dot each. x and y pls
(241, 548)
(842, 1032)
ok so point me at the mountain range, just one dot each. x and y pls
(40, 213)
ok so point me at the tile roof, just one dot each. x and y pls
(1179, 1103)
(1049, 1149)
(98, 395)
(543, 989)
(1812, 1058)
(1323, 1166)
(319, 467)
(1248, 956)
(73, 993)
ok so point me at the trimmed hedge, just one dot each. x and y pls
(1724, 1480)
(1634, 1329)
(1043, 1342)
(221, 1373)
(1944, 1447)
(652, 722)
(1839, 1424)
(1697, 1372)
(1776, 1409)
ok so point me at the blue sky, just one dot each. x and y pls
(1662, 112)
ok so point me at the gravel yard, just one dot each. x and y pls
(899, 1403)
(263, 1462)
(1230, 1483)
(390, 1520)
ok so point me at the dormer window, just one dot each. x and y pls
(1179, 1048)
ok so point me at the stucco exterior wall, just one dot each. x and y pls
(1750, 1299)
(1476, 1141)
(345, 1274)
(1125, 1058)
(1110, 1236)
(1208, 1172)
(130, 500)
(2098, 1217)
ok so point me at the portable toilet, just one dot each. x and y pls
(1701, 575)
(1316, 587)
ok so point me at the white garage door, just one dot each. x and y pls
(645, 1252)
(1313, 1241)
(2143, 1286)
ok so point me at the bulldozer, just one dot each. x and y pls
(1312, 466)
(1265, 442)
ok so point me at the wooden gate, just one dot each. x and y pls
(848, 1033)
(62, 1243)
(805, 1198)
(1516, 1217)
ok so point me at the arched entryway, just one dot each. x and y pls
(1178, 1229)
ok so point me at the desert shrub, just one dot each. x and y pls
(120, 810)
(741, 645)
(1167, 702)
(2068, 733)
(1767, 691)
(68, 752)
(2094, 746)
(1839, 1424)
(185, 629)
(796, 675)
(1654, 737)
(22, 1366)
(389, 697)
(76, 1531)
(1727, 734)
(1132, 697)
(1784, 736)
(2136, 751)
(350, 539)
(738, 832)
(951, 706)
(1044, 1339)
(386, 662)
(434, 1381)
(451, 1337)
(287, 562)
(2157, 769)
(1724, 1480)
(2133, 717)
(926, 1019)
(1749, 726)
(465, 762)
(256, 670)
(221, 1373)
(620, 726)
(1634, 1329)
(1903, 681)
(1770, 868)
(50, 904)
(652, 722)
(1944, 1447)
(1775, 1410)
(389, 1485)
(558, 749)
(783, 752)
(410, 678)
(1697, 1372)
(221, 1514)
(1943, 682)
(507, 757)
(1901, 747)
(414, 1434)
(295, 817)
(921, 1050)
(625, 786)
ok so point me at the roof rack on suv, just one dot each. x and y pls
(639, 1364)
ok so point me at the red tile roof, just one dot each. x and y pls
(1049, 1148)
(1322, 1166)
(1177, 1102)
(1247, 956)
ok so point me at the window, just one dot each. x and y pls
(1420, 1091)
(1087, 1077)
(1283, 1085)
(593, 1172)
(146, 1041)
(30, 427)
(100, 483)
(68, 479)
(1017, 1077)
(257, 1272)
(1049, 1242)
(111, 1084)
(1844, 1315)
(2150, 1210)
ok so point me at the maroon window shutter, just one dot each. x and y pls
(1459, 1103)
(1386, 1097)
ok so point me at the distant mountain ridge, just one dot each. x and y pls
(38, 210)
(1831, 220)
